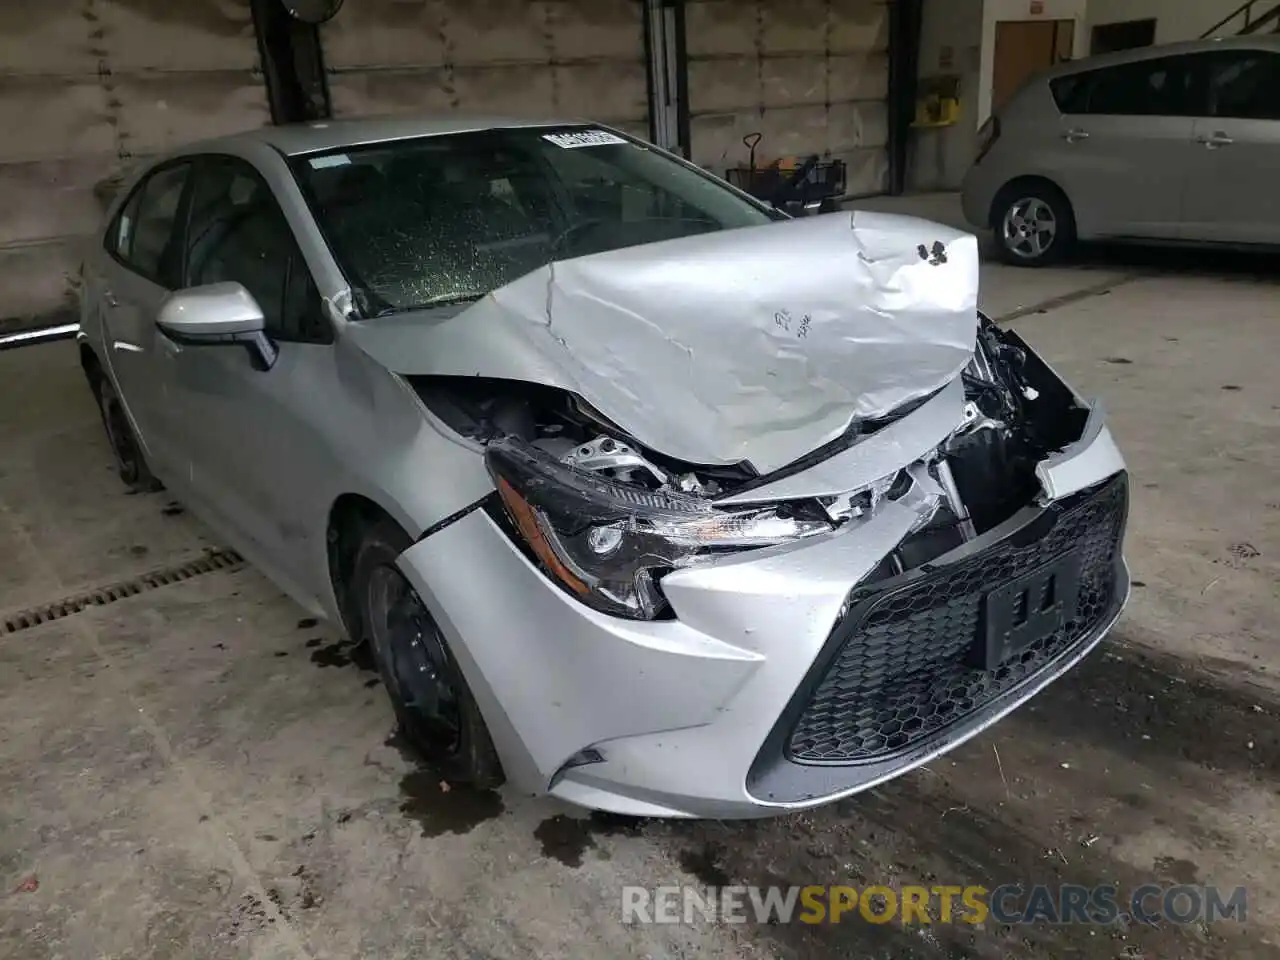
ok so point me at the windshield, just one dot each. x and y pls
(446, 219)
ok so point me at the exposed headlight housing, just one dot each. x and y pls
(608, 543)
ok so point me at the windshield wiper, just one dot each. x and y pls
(444, 300)
(448, 299)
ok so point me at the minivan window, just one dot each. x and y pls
(1071, 93)
(1245, 85)
(1162, 87)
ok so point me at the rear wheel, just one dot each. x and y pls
(434, 706)
(131, 464)
(1033, 223)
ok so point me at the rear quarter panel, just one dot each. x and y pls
(1030, 144)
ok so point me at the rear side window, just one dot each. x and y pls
(120, 239)
(1245, 86)
(1071, 93)
(1162, 87)
(145, 235)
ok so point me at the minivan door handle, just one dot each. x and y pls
(1215, 140)
(1074, 134)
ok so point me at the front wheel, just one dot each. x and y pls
(1034, 225)
(434, 707)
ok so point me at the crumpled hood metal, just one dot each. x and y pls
(758, 344)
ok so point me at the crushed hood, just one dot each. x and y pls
(757, 344)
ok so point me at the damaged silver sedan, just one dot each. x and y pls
(643, 496)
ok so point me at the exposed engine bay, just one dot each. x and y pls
(1016, 413)
(568, 429)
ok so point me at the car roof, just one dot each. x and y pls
(1264, 42)
(302, 138)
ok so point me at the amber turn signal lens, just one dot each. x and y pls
(527, 523)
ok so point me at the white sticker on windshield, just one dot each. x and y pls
(583, 138)
(333, 160)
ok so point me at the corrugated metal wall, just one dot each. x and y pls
(86, 86)
(515, 58)
(89, 86)
(812, 76)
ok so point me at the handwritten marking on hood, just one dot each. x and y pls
(788, 323)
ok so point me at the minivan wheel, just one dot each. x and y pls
(1034, 225)
(434, 707)
(131, 464)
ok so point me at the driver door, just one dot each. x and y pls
(257, 455)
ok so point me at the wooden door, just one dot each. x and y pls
(1025, 47)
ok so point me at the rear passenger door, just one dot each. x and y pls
(1127, 148)
(145, 244)
(1234, 198)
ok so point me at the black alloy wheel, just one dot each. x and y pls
(434, 707)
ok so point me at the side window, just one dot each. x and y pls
(1245, 86)
(238, 232)
(146, 234)
(1147, 88)
(120, 239)
(1071, 93)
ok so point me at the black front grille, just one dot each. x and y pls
(907, 668)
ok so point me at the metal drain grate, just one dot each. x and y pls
(211, 562)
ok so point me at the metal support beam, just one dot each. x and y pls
(668, 72)
(292, 64)
(905, 20)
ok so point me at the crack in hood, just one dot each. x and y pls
(758, 344)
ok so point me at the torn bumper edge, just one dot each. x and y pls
(1092, 458)
(696, 696)
(677, 708)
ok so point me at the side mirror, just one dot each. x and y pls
(218, 314)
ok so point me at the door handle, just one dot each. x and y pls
(1215, 140)
(1074, 134)
(109, 299)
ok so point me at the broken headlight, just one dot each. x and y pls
(608, 543)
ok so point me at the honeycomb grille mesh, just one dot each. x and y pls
(906, 670)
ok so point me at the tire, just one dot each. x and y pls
(131, 463)
(434, 707)
(1017, 212)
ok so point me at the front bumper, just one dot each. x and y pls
(782, 684)
(902, 675)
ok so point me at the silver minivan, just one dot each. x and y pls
(1171, 144)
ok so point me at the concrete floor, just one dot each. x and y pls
(199, 771)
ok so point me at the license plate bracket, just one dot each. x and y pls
(1030, 608)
